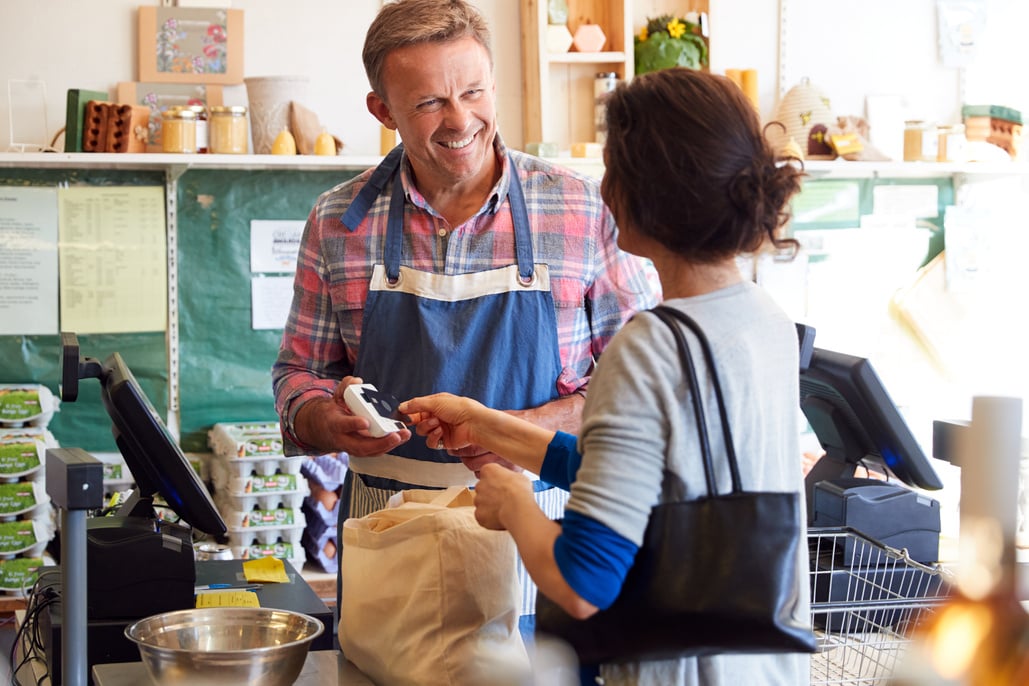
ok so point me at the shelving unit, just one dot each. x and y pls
(558, 87)
(846, 169)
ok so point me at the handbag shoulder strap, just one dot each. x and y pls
(669, 316)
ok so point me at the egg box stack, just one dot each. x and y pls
(119, 484)
(325, 475)
(27, 522)
(118, 479)
(259, 491)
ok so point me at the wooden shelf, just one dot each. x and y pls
(846, 169)
(558, 101)
(586, 58)
(558, 87)
(107, 160)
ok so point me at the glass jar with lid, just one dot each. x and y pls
(951, 145)
(179, 130)
(201, 118)
(603, 84)
(229, 130)
(920, 141)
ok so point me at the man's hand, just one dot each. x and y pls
(327, 424)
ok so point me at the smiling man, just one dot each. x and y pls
(455, 265)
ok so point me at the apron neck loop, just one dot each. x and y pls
(358, 209)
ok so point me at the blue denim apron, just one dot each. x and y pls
(487, 335)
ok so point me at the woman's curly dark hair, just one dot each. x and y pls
(687, 164)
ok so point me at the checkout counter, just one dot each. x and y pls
(106, 641)
(322, 668)
(131, 564)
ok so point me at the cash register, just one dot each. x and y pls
(858, 425)
(137, 563)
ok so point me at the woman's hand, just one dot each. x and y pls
(446, 420)
(477, 434)
(499, 492)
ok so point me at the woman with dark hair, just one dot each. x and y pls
(692, 183)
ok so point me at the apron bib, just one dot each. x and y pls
(487, 335)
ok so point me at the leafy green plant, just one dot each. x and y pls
(669, 41)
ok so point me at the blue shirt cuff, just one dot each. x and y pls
(593, 559)
(562, 460)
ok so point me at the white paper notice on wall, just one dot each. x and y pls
(961, 26)
(274, 244)
(920, 201)
(28, 261)
(113, 259)
(270, 299)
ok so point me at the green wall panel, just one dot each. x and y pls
(839, 203)
(225, 365)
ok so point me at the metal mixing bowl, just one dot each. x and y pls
(220, 646)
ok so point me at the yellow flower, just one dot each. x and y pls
(676, 28)
(643, 34)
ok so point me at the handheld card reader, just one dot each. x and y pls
(378, 407)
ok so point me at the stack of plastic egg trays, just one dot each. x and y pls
(259, 491)
(27, 520)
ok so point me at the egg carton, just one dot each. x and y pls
(319, 539)
(201, 463)
(22, 457)
(22, 499)
(226, 479)
(26, 405)
(321, 550)
(246, 439)
(117, 476)
(286, 539)
(18, 574)
(259, 501)
(37, 433)
(26, 537)
(318, 518)
(328, 471)
(276, 518)
(241, 468)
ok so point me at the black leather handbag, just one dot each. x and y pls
(718, 574)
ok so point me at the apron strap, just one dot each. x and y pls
(366, 197)
(394, 233)
(520, 217)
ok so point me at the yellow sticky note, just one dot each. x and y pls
(227, 599)
(265, 570)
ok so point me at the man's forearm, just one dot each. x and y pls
(563, 414)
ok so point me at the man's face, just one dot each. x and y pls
(440, 97)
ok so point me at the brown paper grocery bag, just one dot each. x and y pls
(429, 596)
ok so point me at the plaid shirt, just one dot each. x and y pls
(596, 287)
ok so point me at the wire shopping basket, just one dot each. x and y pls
(866, 598)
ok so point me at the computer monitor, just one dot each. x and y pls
(857, 423)
(152, 455)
